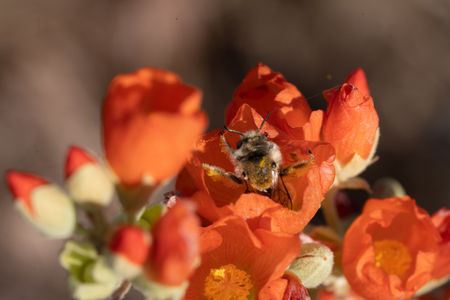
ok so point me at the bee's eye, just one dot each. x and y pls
(244, 175)
(239, 144)
(274, 165)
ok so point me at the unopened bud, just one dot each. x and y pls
(90, 277)
(43, 204)
(129, 248)
(313, 266)
(87, 181)
(387, 187)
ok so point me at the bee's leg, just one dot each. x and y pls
(297, 166)
(214, 172)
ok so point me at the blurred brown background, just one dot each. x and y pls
(57, 57)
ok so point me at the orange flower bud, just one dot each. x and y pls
(390, 249)
(151, 120)
(130, 248)
(175, 250)
(441, 221)
(43, 204)
(351, 125)
(87, 181)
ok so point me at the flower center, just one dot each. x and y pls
(227, 283)
(393, 257)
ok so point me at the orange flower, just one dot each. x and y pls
(151, 120)
(441, 220)
(390, 249)
(351, 125)
(238, 263)
(306, 189)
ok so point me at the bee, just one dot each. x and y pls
(258, 165)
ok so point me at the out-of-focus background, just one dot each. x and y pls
(57, 57)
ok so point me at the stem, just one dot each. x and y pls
(99, 225)
(133, 199)
(329, 211)
(121, 291)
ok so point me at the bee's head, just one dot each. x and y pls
(251, 136)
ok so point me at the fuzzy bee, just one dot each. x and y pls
(257, 162)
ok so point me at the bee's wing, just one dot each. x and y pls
(287, 177)
(281, 195)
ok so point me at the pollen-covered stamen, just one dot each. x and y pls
(227, 283)
(393, 257)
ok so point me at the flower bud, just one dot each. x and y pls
(87, 181)
(43, 204)
(313, 266)
(129, 247)
(89, 276)
(351, 125)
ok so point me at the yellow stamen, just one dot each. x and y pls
(393, 257)
(227, 283)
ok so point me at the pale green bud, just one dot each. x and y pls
(313, 266)
(89, 276)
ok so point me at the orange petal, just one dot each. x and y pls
(441, 221)
(151, 121)
(76, 157)
(268, 92)
(43, 204)
(175, 249)
(274, 289)
(132, 243)
(22, 184)
(358, 78)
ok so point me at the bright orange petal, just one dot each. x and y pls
(22, 184)
(358, 78)
(132, 243)
(441, 221)
(268, 92)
